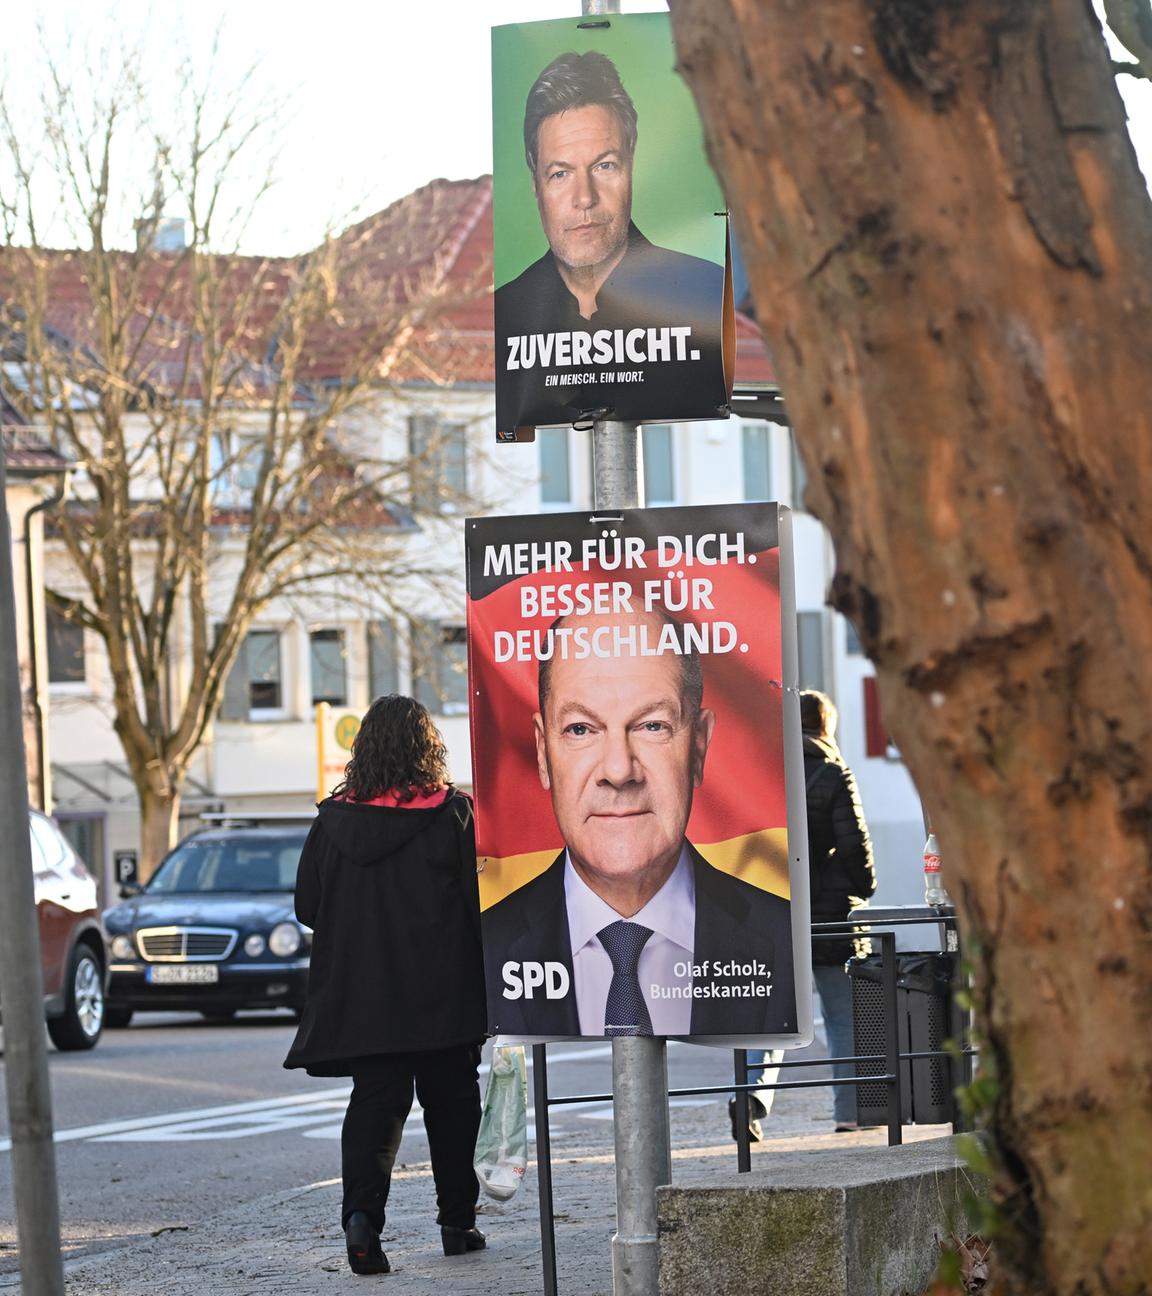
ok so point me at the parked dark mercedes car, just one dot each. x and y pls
(213, 930)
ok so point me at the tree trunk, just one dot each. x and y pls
(159, 813)
(950, 249)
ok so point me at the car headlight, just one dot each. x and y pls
(122, 947)
(284, 939)
(254, 945)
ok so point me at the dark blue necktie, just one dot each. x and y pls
(625, 1012)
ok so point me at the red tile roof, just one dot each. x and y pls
(407, 298)
(27, 455)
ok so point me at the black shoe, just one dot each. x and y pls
(459, 1241)
(756, 1110)
(365, 1255)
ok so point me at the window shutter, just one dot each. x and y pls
(453, 669)
(65, 648)
(235, 703)
(454, 457)
(383, 662)
(757, 462)
(659, 465)
(329, 673)
(423, 466)
(555, 478)
(810, 640)
(425, 660)
(876, 740)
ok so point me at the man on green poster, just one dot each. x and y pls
(604, 320)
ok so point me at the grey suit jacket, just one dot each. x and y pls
(736, 923)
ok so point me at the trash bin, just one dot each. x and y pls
(923, 1008)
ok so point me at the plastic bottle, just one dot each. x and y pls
(934, 893)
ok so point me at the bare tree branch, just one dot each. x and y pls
(1130, 21)
(220, 404)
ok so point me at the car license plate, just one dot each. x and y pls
(183, 974)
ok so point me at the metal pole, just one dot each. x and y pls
(544, 1165)
(743, 1142)
(643, 1159)
(616, 465)
(892, 1063)
(639, 1063)
(21, 983)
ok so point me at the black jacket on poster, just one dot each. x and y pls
(651, 288)
(391, 896)
(735, 923)
(842, 875)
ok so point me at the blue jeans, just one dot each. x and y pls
(834, 987)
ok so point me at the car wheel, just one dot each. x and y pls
(116, 1016)
(83, 1019)
(218, 1014)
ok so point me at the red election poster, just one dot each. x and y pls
(629, 707)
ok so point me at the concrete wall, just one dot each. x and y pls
(861, 1221)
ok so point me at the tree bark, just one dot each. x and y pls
(950, 249)
(159, 816)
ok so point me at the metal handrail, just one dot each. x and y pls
(891, 1058)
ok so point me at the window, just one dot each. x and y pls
(65, 647)
(85, 834)
(852, 644)
(329, 674)
(555, 475)
(254, 688)
(438, 468)
(810, 637)
(757, 462)
(440, 666)
(799, 475)
(659, 469)
(235, 463)
(264, 692)
(877, 739)
(383, 664)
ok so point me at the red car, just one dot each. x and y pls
(73, 956)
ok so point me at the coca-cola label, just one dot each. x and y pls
(931, 863)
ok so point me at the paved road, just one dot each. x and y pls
(166, 1123)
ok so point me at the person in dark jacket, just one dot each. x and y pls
(387, 882)
(842, 877)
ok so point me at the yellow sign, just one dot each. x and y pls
(335, 733)
(347, 727)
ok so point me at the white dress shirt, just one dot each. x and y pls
(665, 961)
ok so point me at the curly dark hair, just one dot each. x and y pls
(397, 748)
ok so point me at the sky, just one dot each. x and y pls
(381, 97)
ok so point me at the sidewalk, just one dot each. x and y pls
(292, 1241)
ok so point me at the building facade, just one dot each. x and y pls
(333, 644)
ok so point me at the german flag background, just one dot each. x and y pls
(739, 816)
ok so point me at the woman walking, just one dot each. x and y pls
(387, 882)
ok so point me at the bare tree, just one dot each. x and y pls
(223, 408)
(950, 248)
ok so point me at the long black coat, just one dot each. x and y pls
(391, 896)
(841, 870)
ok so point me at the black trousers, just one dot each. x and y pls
(448, 1087)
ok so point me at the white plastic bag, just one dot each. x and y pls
(502, 1144)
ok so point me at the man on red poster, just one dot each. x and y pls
(630, 930)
